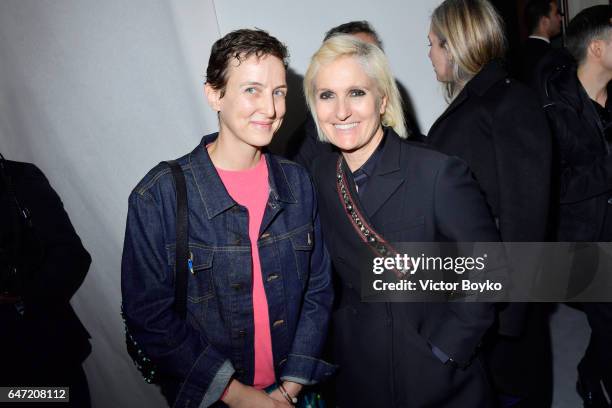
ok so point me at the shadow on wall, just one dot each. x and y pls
(295, 115)
(412, 124)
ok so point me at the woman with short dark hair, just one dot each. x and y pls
(259, 293)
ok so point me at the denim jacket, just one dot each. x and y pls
(215, 342)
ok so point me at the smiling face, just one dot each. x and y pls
(439, 57)
(349, 106)
(253, 105)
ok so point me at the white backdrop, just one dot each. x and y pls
(96, 93)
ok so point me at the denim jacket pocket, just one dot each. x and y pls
(303, 243)
(200, 285)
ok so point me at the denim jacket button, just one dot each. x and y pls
(278, 323)
(272, 277)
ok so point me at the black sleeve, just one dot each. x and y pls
(64, 261)
(523, 153)
(462, 216)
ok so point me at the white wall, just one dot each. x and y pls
(575, 6)
(97, 92)
(402, 25)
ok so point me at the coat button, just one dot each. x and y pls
(272, 277)
(278, 323)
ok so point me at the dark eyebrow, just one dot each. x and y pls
(252, 83)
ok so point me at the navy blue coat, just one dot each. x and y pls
(418, 195)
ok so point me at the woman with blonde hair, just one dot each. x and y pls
(497, 126)
(376, 188)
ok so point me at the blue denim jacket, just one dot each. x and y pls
(216, 341)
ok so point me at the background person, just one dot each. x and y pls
(391, 354)
(498, 127)
(576, 99)
(543, 22)
(42, 265)
(260, 294)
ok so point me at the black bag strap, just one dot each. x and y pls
(182, 236)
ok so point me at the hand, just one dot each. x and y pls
(243, 396)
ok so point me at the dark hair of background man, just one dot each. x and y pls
(354, 27)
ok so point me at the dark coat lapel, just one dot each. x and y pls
(386, 178)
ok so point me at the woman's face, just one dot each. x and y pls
(253, 106)
(349, 106)
(439, 57)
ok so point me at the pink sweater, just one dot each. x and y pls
(250, 189)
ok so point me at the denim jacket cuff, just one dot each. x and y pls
(206, 380)
(218, 384)
(306, 370)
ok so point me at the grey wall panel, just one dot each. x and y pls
(97, 93)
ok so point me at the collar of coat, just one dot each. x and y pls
(488, 76)
(386, 177)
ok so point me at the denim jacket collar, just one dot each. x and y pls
(214, 194)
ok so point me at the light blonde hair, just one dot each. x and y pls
(472, 32)
(376, 66)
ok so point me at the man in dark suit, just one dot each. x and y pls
(576, 100)
(543, 23)
(42, 264)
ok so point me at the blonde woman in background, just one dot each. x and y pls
(497, 126)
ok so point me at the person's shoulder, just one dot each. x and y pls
(19, 170)
(421, 150)
(289, 167)
(426, 159)
(158, 177)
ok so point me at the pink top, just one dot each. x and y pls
(250, 189)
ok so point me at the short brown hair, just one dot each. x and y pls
(240, 45)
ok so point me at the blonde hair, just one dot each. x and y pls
(472, 33)
(376, 67)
